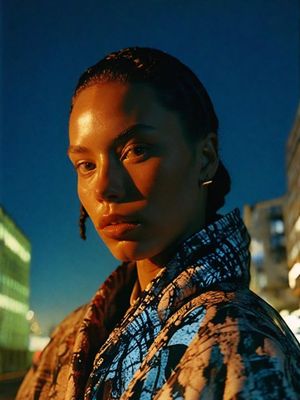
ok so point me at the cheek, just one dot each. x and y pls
(146, 176)
(162, 183)
(87, 200)
(158, 179)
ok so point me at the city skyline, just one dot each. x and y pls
(247, 56)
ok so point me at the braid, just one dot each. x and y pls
(82, 219)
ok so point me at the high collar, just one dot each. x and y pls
(226, 234)
(216, 257)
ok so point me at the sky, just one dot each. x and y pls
(245, 53)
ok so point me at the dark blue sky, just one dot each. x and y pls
(245, 53)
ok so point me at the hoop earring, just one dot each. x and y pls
(205, 183)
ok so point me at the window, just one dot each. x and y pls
(277, 226)
(257, 253)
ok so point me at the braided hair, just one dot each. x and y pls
(178, 89)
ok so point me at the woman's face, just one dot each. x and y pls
(138, 177)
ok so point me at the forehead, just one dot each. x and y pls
(112, 107)
(114, 97)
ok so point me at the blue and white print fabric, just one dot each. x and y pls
(196, 333)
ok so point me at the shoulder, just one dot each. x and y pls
(243, 340)
(38, 380)
(63, 335)
(244, 313)
(242, 348)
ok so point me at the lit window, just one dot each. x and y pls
(297, 224)
(294, 252)
(294, 273)
(277, 226)
(10, 283)
(38, 343)
(262, 280)
(12, 243)
(257, 252)
(13, 305)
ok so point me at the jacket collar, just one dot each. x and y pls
(216, 257)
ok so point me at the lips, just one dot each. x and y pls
(119, 227)
(116, 219)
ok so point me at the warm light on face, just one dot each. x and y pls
(85, 122)
(150, 176)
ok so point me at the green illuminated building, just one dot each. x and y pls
(15, 257)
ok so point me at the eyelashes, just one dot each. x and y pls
(135, 152)
(84, 167)
(132, 153)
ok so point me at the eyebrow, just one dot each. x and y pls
(121, 137)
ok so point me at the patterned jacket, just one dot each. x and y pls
(196, 332)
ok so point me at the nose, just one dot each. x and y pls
(109, 185)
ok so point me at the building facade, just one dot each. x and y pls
(269, 270)
(292, 207)
(15, 255)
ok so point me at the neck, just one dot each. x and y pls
(146, 271)
(148, 268)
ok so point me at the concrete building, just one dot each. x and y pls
(269, 271)
(292, 207)
(15, 254)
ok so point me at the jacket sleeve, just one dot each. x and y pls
(47, 376)
(227, 362)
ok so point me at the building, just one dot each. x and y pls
(292, 208)
(15, 254)
(269, 271)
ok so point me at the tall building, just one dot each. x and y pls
(292, 208)
(15, 254)
(269, 271)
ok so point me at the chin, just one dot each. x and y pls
(131, 250)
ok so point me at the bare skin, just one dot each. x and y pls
(134, 163)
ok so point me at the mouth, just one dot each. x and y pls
(119, 227)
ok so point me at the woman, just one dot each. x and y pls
(176, 320)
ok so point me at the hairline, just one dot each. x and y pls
(123, 78)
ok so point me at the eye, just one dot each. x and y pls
(135, 152)
(84, 167)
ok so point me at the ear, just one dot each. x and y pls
(208, 157)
